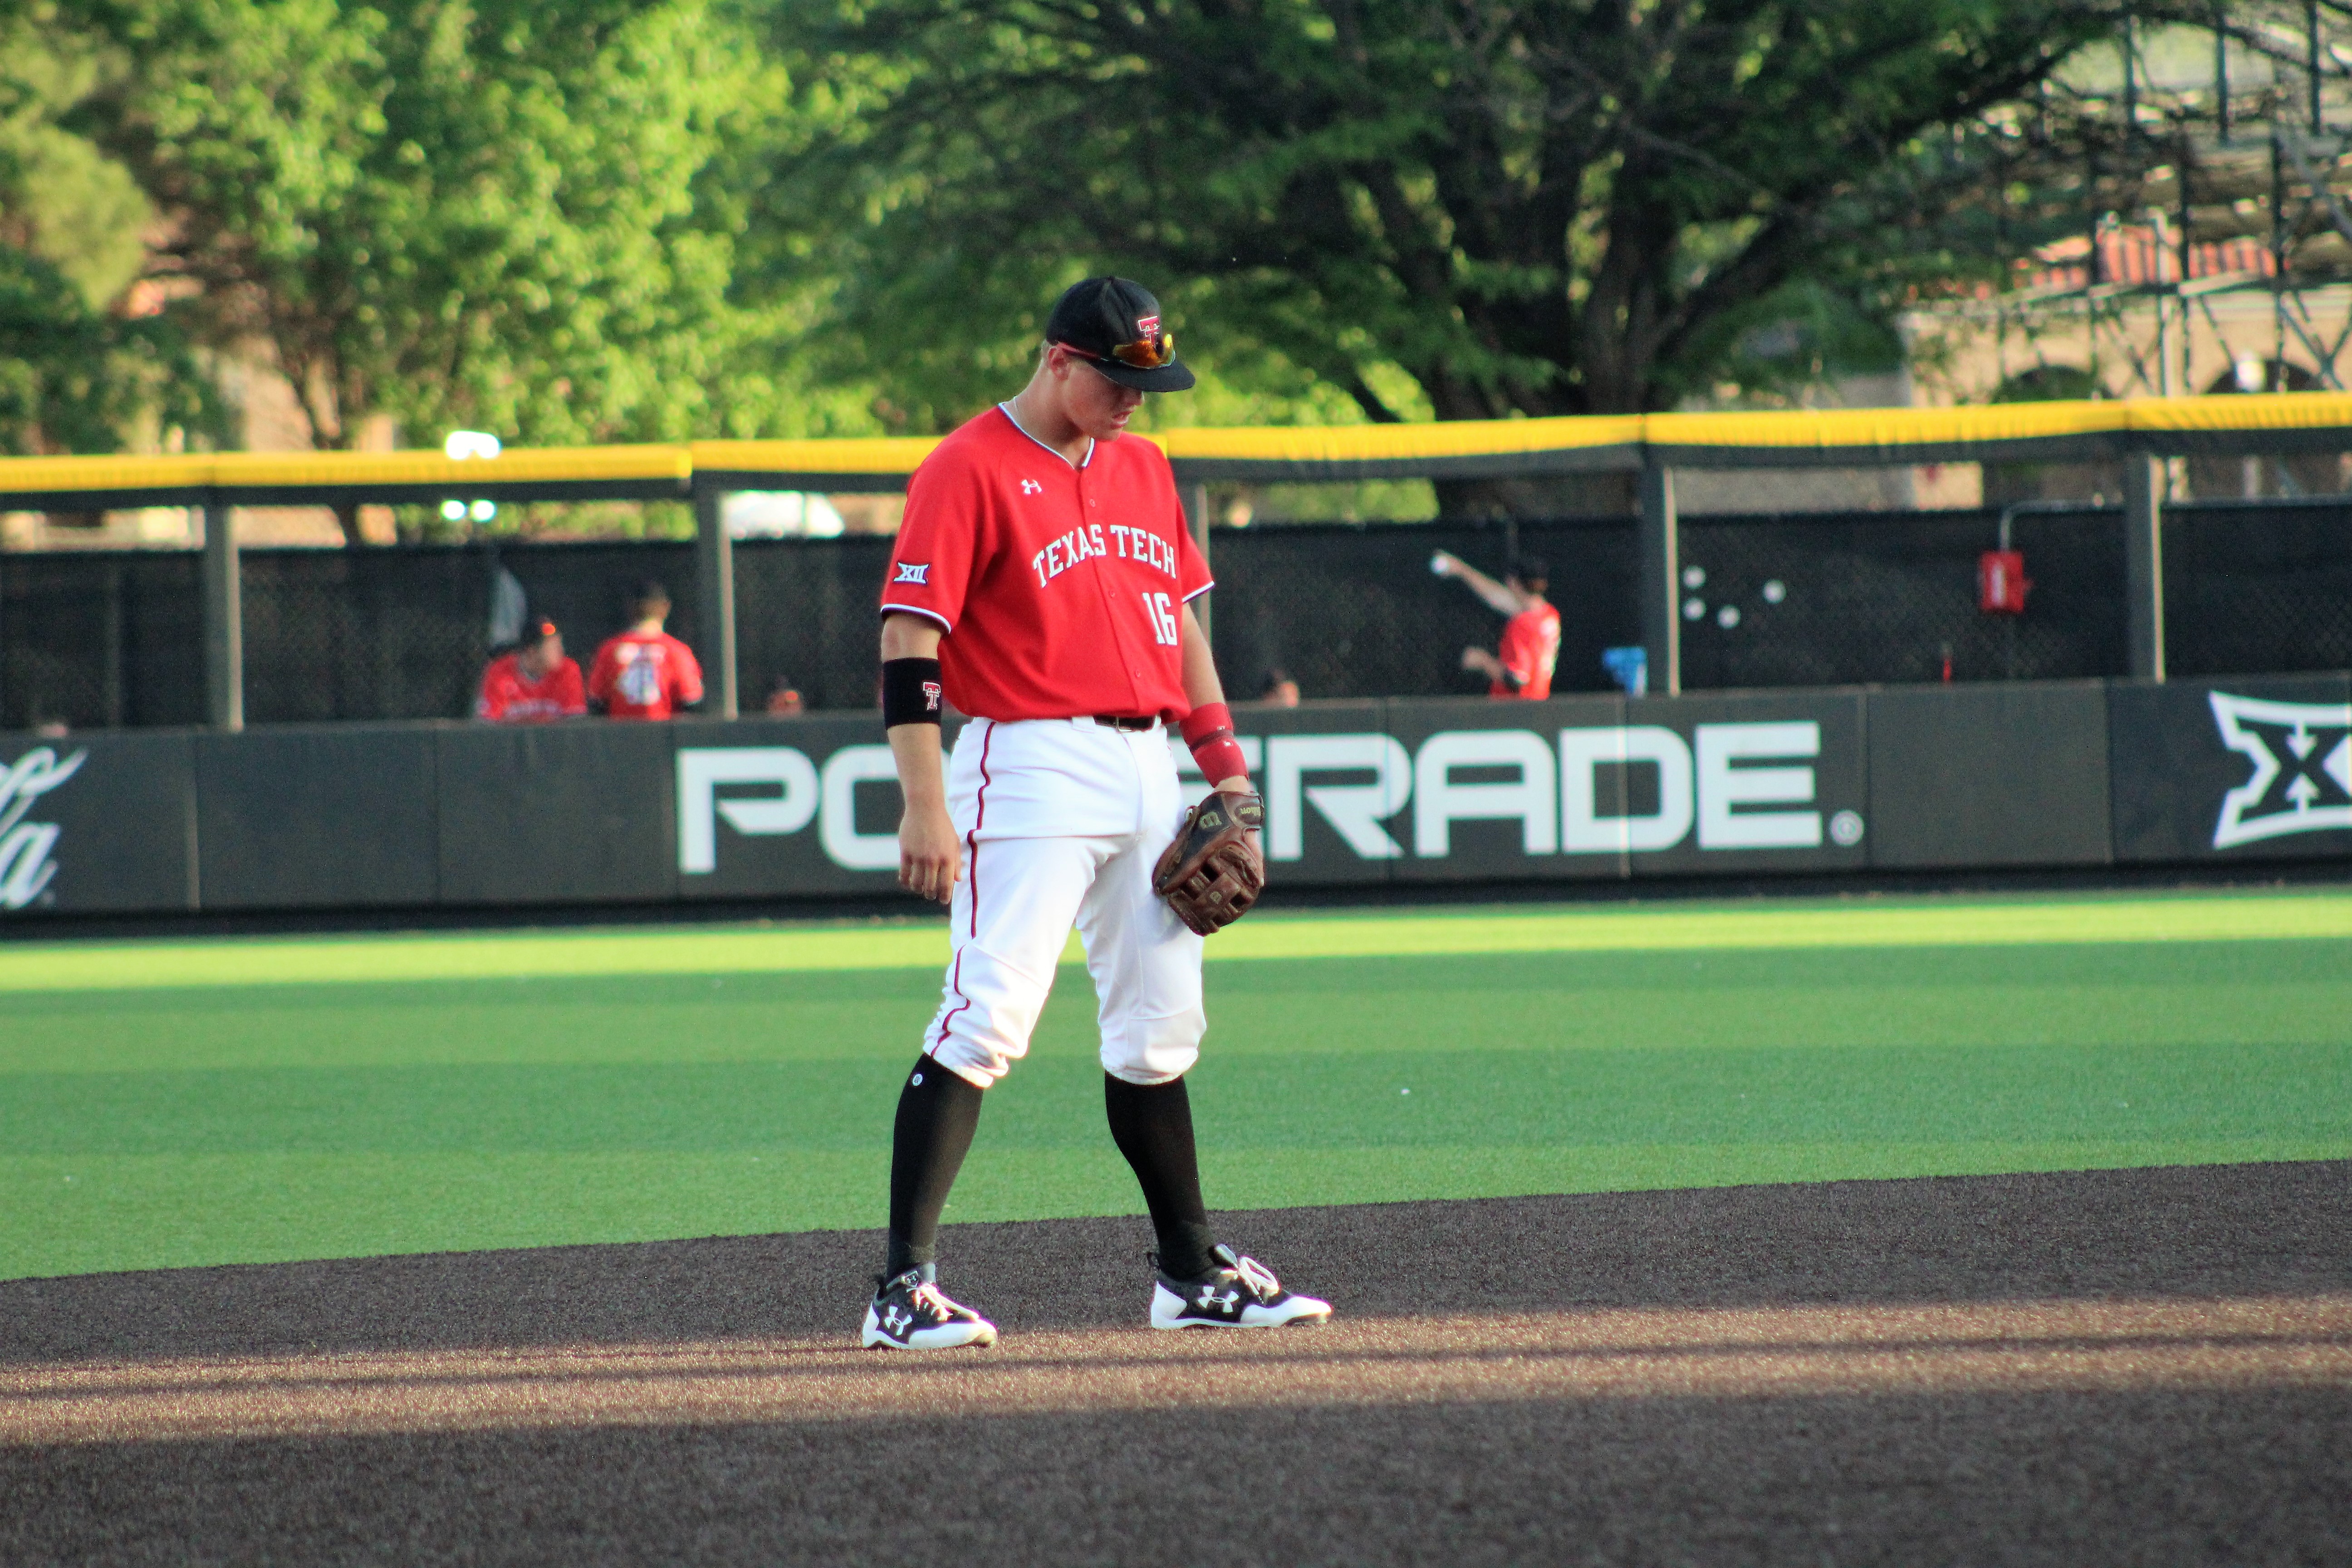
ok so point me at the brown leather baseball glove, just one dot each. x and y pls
(1214, 871)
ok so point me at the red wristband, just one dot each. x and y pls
(1209, 731)
(1205, 720)
(1221, 757)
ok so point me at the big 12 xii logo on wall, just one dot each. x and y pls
(2302, 781)
(25, 867)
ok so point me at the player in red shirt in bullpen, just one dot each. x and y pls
(533, 682)
(644, 672)
(1522, 667)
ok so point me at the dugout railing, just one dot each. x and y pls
(2138, 436)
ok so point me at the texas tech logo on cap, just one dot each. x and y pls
(1147, 327)
(2302, 754)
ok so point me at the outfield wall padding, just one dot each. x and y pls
(556, 814)
(2046, 745)
(315, 817)
(1411, 794)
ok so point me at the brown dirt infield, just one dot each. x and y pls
(2136, 1366)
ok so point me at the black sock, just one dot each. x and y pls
(937, 1112)
(1152, 1125)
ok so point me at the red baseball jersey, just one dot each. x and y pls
(1529, 651)
(644, 675)
(1060, 589)
(510, 696)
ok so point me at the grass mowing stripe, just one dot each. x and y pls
(145, 1128)
(1789, 925)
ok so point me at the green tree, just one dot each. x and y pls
(508, 215)
(80, 372)
(73, 379)
(1525, 206)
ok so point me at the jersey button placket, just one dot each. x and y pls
(1111, 607)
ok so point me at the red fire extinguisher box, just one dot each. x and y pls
(2001, 583)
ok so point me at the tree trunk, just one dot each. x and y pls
(347, 517)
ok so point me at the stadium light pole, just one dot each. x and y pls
(224, 623)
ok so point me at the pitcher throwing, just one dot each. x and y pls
(1042, 584)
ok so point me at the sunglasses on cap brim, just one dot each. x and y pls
(1155, 353)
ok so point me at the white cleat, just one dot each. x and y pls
(911, 1313)
(1241, 1293)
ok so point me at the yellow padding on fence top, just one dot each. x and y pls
(1388, 443)
(113, 473)
(2243, 411)
(1781, 429)
(858, 455)
(516, 464)
(1881, 433)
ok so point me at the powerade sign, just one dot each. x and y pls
(769, 792)
(1516, 793)
(1394, 794)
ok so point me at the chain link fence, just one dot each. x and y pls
(101, 639)
(96, 639)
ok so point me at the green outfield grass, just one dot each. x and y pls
(172, 1103)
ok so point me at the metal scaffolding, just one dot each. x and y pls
(2216, 196)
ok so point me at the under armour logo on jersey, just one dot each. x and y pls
(1031, 487)
(914, 571)
(2302, 754)
(1222, 1301)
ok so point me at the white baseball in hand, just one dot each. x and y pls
(1437, 564)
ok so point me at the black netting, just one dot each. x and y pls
(2255, 586)
(405, 633)
(805, 614)
(93, 638)
(1875, 597)
(1354, 610)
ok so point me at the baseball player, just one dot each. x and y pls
(1522, 667)
(532, 684)
(1041, 584)
(644, 672)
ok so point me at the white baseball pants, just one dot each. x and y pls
(1063, 820)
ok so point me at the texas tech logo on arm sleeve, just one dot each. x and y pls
(2302, 781)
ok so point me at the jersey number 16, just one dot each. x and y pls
(1163, 618)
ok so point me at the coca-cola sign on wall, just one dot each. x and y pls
(25, 867)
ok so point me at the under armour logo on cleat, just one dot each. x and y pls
(896, 1321)
(1222, 1302)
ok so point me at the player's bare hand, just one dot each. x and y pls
(1479, 659)
(930, 857)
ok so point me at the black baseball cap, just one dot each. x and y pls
(1115, 323)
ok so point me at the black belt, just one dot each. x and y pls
(1114, 721)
